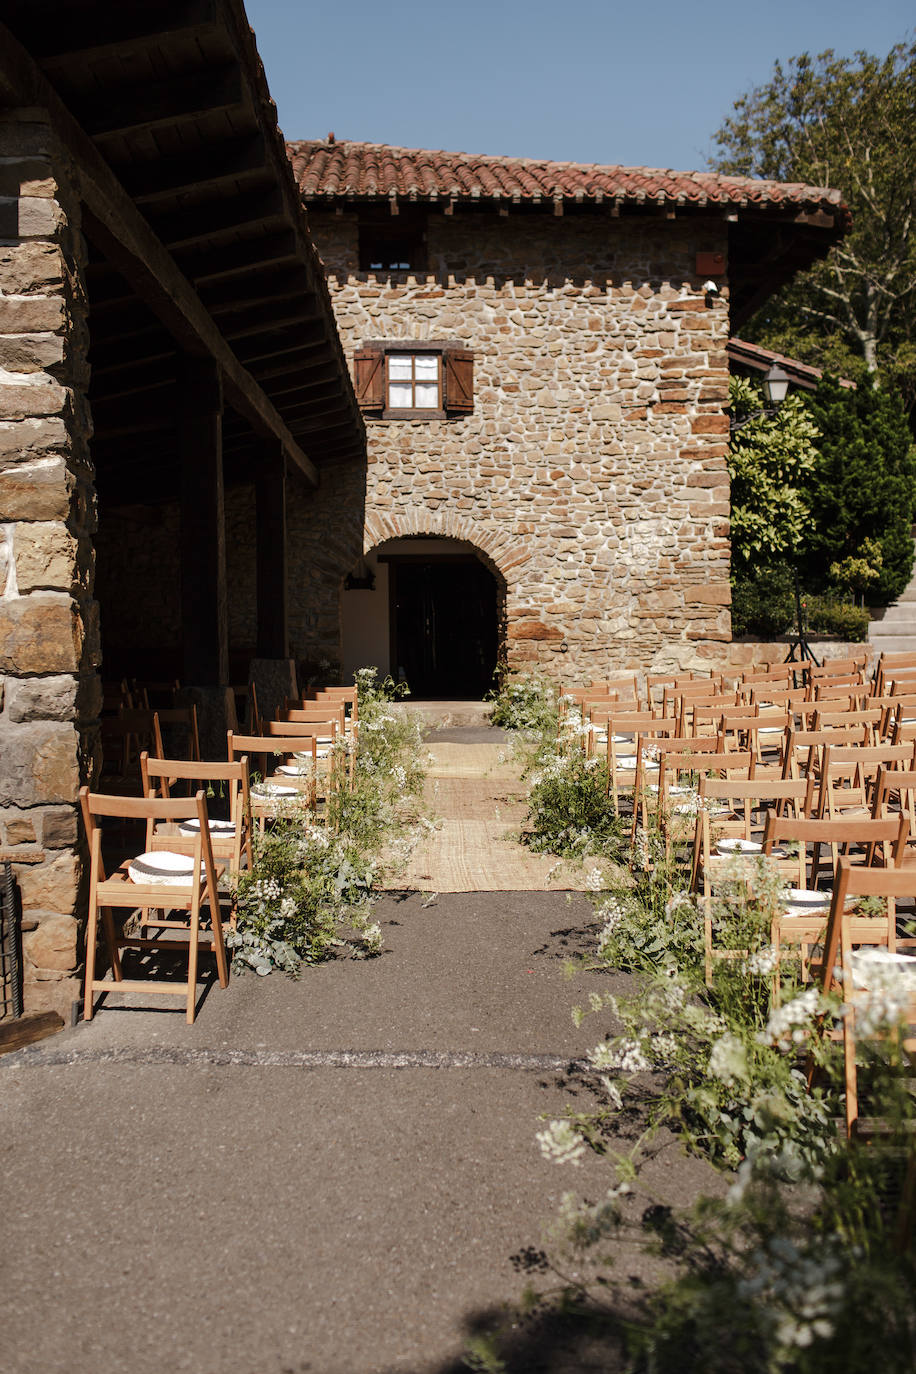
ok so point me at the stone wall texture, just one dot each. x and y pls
(49, 634)
(592, 472)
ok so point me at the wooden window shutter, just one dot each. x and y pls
(458, 365)
(369, 366)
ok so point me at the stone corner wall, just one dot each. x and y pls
(50, 693)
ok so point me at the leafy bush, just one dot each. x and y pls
(569, 811)
(763, 602)
(527, 702)
(293, 900)
(310, 882)
(827, 615)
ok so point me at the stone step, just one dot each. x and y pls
(893, 644)
(896, 615)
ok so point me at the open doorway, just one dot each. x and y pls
(443, 619)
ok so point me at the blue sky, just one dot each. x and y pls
(579, 80)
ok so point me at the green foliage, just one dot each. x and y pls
(862, 486)
(848, 123)
(832, 615)
(569, 811)
(309, 882)
(770, 458)
(858, 571)
(525, 702)
(763, 601)
(293, 900)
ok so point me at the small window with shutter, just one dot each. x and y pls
(401, 381)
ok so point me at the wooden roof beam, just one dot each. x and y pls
(120, 30)
(232, 161)
(140, 256)
(237, 259)
(190, 96)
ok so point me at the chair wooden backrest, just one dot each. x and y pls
(888, 664)
(349, 696)
(891, 834)
(160, 775)
(261, 747)
(827, 719)
(844, 930)
(155, 900)
(802, 747)
(326, 713)
(179, 720)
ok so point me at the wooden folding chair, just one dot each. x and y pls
(295, 781)
(230, 838)
(720, 842)
(624, 731)
(887, 665)
(802, 921)
(165, 880)
(122, 737)
(688, 746)
(178, 724)
(840, 971)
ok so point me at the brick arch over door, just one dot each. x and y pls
(502, 553)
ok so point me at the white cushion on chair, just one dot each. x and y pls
(162, 867)
(215, 827)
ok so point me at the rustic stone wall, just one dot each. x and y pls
(592, 471)
(49, 650)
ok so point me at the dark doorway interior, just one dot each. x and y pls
(444, 625)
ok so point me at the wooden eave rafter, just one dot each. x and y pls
(263, 282)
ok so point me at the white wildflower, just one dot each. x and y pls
(789, 1025)
(728, 1060)
(762, 962)
(594, 880)
(561, 1143)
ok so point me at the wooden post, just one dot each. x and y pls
(204, 609)
(270, 496)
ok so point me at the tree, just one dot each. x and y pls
(861, 486)
(771, 457)
(849, 123)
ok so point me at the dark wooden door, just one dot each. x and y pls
(444, 626)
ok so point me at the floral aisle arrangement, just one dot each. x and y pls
(311, 887)
(807, 1263)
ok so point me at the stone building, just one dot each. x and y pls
(539, 350)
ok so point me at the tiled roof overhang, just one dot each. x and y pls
(775, 228)
(751, 358)
(198, 239)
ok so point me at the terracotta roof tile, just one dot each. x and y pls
(326, 170)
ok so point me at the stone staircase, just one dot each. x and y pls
(893, 630)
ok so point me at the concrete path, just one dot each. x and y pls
(337, 1175)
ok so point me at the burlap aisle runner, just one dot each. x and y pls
(477, 792)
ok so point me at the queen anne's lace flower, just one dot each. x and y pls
(789, 1025)
(561, 1143)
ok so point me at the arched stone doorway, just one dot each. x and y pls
(433, 617)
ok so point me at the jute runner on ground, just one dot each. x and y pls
(477, 795)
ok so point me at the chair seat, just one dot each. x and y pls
(218, 829)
